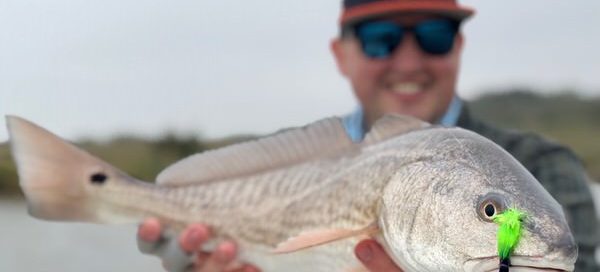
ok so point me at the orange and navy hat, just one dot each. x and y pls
(358, 10)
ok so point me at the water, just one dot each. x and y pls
(30, 245)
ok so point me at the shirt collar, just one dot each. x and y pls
(353, 122)
(450, 118)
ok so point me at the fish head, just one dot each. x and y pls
(437, 210)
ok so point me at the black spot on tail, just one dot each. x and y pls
(98, 178)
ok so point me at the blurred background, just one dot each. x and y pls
(145, 83)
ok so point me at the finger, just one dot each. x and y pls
(200, 259)
(149, 230)
(245, 268)
(149, 236)
(174, 259)
(192, 238)
(221, 258)
(233, 266)
(374, 258)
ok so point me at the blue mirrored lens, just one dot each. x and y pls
(436, 36)
(379, 39)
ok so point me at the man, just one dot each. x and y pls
(403, 56)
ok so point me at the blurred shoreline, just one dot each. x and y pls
(563, 117)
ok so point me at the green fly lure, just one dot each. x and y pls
(509, 232)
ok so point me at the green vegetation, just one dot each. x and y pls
(8, 173)
(566, 118)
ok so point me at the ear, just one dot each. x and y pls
(337, 49)
(459, 42)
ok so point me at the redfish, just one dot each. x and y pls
(300, 199)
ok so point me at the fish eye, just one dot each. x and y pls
(98, 178)
(489, 210)
(490, 206)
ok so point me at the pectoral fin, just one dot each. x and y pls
(320, 237)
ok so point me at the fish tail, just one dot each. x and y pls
(60, 181)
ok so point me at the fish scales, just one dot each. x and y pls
(310, 194)
(294, 207)
(228, 198)
(288, 207)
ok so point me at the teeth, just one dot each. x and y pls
(406, 88)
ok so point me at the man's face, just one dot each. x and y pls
(409, 81)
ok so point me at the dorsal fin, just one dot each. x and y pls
(391, 125)
(290, 146)
(287, 147)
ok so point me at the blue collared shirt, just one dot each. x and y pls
(353, 122)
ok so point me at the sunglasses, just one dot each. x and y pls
(379, 39)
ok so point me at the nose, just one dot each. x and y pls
(560, 241)
(565, 247)
(408, 57)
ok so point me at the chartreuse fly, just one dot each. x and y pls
(509, 232)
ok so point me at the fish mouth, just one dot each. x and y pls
(518, 264)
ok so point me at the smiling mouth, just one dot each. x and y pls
(518, 264)
(406, 88)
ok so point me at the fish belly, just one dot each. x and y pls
(334, 257)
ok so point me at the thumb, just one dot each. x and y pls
(374, 258)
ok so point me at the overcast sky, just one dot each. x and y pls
(95, 68)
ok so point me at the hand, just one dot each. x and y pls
(374, 258)
(184, 253)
